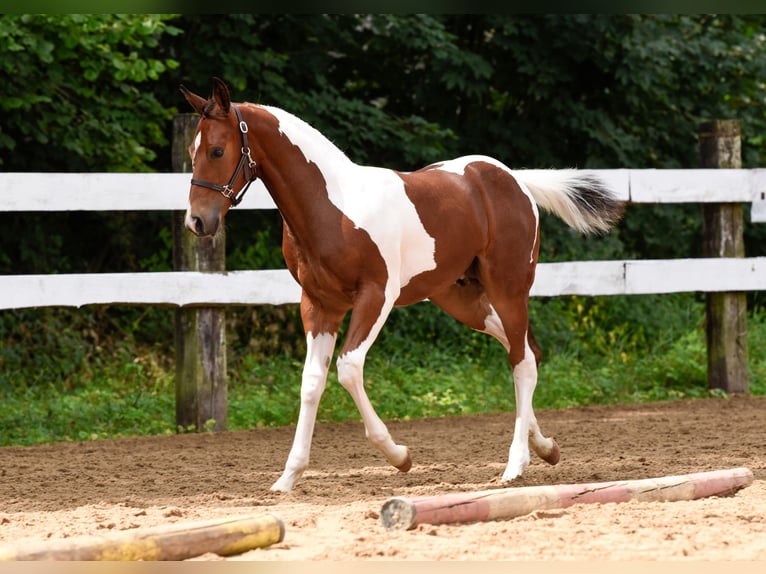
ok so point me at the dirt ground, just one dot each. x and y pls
(65, 490)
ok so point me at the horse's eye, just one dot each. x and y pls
(217, 152)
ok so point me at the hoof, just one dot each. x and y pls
(407, 464)
(279, 486)
(286, 481)
(553, 456)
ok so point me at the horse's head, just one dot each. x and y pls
(222, 168)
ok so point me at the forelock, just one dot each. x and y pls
(208, 108)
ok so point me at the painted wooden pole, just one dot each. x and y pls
(177, 542)
(722, 228)
(404, 513)
(200, 333)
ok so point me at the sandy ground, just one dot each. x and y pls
(66, 490)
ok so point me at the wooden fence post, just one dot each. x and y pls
(200, 333)
(722, 227)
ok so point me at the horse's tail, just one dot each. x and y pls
(582, 200)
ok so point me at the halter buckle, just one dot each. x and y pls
(250, 160)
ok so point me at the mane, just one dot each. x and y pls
(315, 146)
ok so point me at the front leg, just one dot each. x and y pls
(319, 350)
(370, 312)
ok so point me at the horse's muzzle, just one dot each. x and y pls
(199, 227)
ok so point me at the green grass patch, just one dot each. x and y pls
(61, 379)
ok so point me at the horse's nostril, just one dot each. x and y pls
(199, 226)
(195, 224)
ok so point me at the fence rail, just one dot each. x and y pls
(160, 192)
(277, 286)
(169, 191)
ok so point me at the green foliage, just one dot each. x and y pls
(78, 96)
(74, 91)
(320, 68)
(757, 360)
(617, 325)
(264, 250)
(119, 385)
(64, 377)
(622, 90)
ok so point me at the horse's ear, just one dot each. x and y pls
(221, 95)
(197, 102)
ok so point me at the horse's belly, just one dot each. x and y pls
(423, 285)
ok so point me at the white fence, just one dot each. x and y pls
(25, 192)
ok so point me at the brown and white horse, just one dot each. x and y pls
(462, 233)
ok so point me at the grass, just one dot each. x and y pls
(60, 383)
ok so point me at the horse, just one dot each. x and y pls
(463, 233)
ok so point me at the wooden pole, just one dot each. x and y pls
(176, 542)
(722, 228)
(404, 513)
(200, 333)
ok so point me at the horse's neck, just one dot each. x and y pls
(302, 168)
(314, 146)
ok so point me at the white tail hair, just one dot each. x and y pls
(581, 200)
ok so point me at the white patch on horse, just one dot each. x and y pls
(493, 325)
(197, 141)
(373, 198)
(458, 166)
(193, 154)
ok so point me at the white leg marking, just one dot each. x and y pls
(524, 380)
(351, 376)
(319, 351)
(542, 445)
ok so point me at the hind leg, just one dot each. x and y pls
(469, 303)
(525, 382)
(511, 314)
(546, 448)
(526, 429)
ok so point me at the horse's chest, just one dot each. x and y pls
(332, 272)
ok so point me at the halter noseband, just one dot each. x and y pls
(246, 164)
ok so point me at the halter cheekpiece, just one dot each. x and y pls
(246, 165)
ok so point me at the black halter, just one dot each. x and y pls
(246, 163)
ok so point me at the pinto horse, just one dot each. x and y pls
(463, 233)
